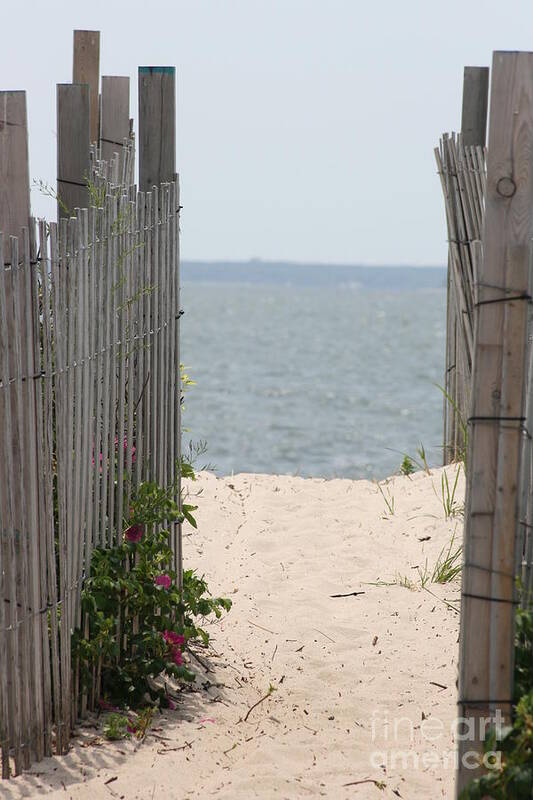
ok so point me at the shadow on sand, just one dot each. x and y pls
(91, 753)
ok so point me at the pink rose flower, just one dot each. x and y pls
(174, 638)
(175, 642)
(163, 580)
(134, 533)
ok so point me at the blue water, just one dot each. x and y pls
(313, 370)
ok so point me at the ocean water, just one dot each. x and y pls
(313, 370)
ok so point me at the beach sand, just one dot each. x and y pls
(341, 667)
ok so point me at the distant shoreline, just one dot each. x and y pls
(394, 278)
(254, 262)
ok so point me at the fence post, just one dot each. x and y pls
(73, 116)
(14, 170)
(486, 652)
(86, 69)
(475, 106)
(157, 126)
(115, 115)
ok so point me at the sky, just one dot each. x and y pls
(305, 128)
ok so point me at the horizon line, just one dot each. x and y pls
(294, 263)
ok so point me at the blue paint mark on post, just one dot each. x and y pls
(155, 70)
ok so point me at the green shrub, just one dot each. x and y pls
(513, 780)
(139, 622)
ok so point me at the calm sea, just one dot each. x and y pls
(313, 370)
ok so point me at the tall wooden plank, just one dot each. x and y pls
(131, 329)
(18, 511)
(9, 518)
(14, 169)
(148, 341)
(475, 105)
(120, 357)
(139, 395)
(115, 115)
(86, 69)
(172, 368)
(58, 588)
(178, 552)
(73, 142)
(21, 533)
(48, 271)
(100, 344)
(155, 338)
(114, 268)
(5, 634)
(162, 441)
(488, 592)
(91, 316)
(35, 524)
(157, 126)
(108, 410)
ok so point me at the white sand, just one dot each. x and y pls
(280, 547)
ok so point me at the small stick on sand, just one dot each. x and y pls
(378, 784)
(267, 695)
(201, 661)
(162, 750)
(262, 628)
(440, 599)
(324, 634)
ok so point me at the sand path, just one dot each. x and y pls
(341, 667)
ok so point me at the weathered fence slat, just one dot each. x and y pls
(31, 365)
(9, 593)
(21, 542)
(176, 362)
(48, 272)
(148, 342)
(42, 665)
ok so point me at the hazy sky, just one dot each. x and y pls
(305, 129)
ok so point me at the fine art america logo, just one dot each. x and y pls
(401, 743)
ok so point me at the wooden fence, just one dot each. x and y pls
(93, 352)
(489, 374)
(463, 176)
(89, 376)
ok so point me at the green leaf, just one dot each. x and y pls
(187, 509)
